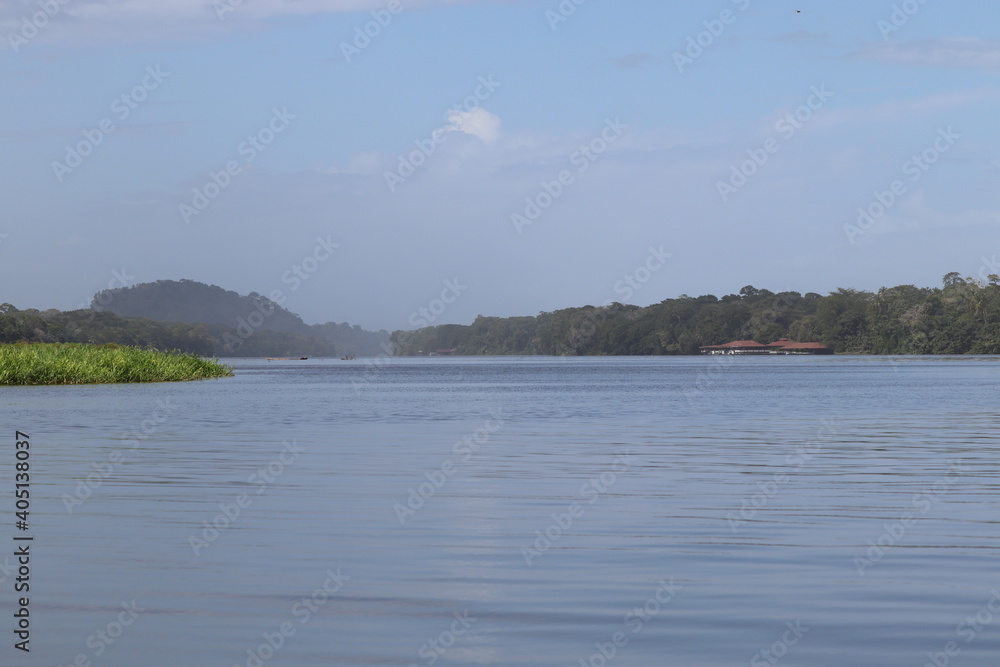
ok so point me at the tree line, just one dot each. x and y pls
(961, 317)
(208, 340)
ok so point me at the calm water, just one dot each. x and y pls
(670, 511)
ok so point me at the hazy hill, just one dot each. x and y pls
(194, 302)
(252, 317)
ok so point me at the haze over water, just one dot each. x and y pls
(681, 511)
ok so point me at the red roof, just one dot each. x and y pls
(804, 346)
(780, 344)
(740, 343)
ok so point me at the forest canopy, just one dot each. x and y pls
(961, 317)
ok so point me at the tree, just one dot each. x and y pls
(953, 279)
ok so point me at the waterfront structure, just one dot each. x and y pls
(752, 347)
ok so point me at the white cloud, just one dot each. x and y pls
(915, 212)
(478, 122)
(160, 9)
(893, 110)
(97, 21)
(806, 38)
(954, 52)
(359, 164)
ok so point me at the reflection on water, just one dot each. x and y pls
(683, 511)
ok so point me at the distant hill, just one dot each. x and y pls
(246, 322)
(193, 302)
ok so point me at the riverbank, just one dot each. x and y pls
(75, 363)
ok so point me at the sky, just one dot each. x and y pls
(391, 163)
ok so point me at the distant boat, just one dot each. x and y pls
(287, 358)
(349, 357)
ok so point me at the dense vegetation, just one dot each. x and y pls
(962, 317)
(67, 363)
(251, 325)
(95, 327)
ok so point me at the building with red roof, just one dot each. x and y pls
(737, 347)
(780, 346)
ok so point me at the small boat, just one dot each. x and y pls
(349, 357)
(287, 358)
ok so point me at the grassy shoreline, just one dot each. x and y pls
(77, 363)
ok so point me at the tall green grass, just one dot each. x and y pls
(73, 363)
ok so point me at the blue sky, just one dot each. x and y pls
(663, 146)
